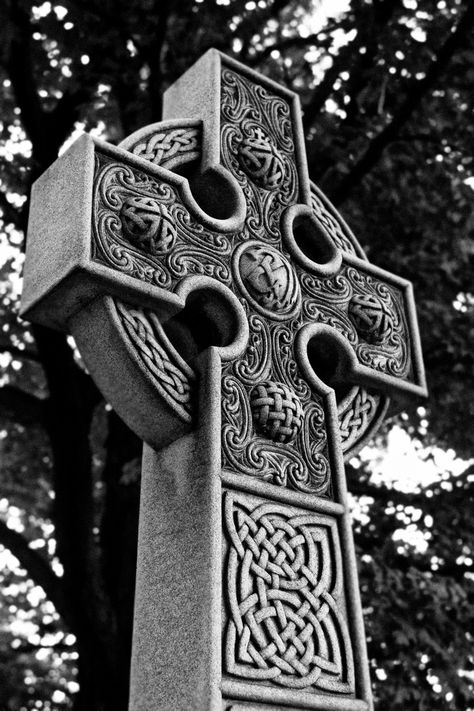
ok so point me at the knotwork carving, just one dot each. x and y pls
(277, 411)
(168, 148)
(148, 223)
(257, 147)
(141, 227)
(360, 414)
(287, 619)
(302, 464)
(267, 279)
(372, 318)
(331, 221)
(367, 312)
(260, 159)
(171, 374)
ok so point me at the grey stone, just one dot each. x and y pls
(234, 322)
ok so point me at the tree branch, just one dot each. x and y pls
(38, 568)
(414, 96)
(324, 88)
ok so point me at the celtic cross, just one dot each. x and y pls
(232, 319)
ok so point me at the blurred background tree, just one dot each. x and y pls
(386, 87)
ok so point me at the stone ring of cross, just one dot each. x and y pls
(231, 318)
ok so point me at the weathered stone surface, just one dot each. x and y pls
(233, 320)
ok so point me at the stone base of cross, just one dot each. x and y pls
(232, 319)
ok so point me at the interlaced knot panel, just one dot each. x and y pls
(358, 414)
(277, 411)
(287, 619)
(171, 374)
(165, 148)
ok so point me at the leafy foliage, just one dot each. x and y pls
(386, 91)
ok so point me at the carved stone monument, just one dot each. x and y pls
(232, 319)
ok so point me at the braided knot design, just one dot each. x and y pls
(372, 319)
(166, 148)
(287, 619)
(172, 375)
(261, 160)
(276, 410)
(356, 414)
(148, 223)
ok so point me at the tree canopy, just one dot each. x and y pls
(386, 89)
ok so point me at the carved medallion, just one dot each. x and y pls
(267, 279)
(372, 319)
(260, 159)
(276, 410)
(147, 223)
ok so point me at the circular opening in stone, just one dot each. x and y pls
(312, 240)
(324, 355)
(208, 319)
(214, 194)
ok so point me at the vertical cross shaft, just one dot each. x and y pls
(248, 341)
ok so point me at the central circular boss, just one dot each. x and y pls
(267, 280)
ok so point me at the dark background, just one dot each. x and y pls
(387, 92)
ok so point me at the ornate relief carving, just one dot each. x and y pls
(160, 359)
(257, 147)
(168, 148)
(373, 320)
(267, 279)
(261, 156)
(141, 227)
(287, 620)
(148, 224)
(299, 463)
(338, 232)
(360, 414)
(277, 411)
(367, 312)
(260, 159)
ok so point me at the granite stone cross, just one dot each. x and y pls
(232, 319)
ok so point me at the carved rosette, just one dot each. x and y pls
(287, 619)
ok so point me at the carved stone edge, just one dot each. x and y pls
(123, 376)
